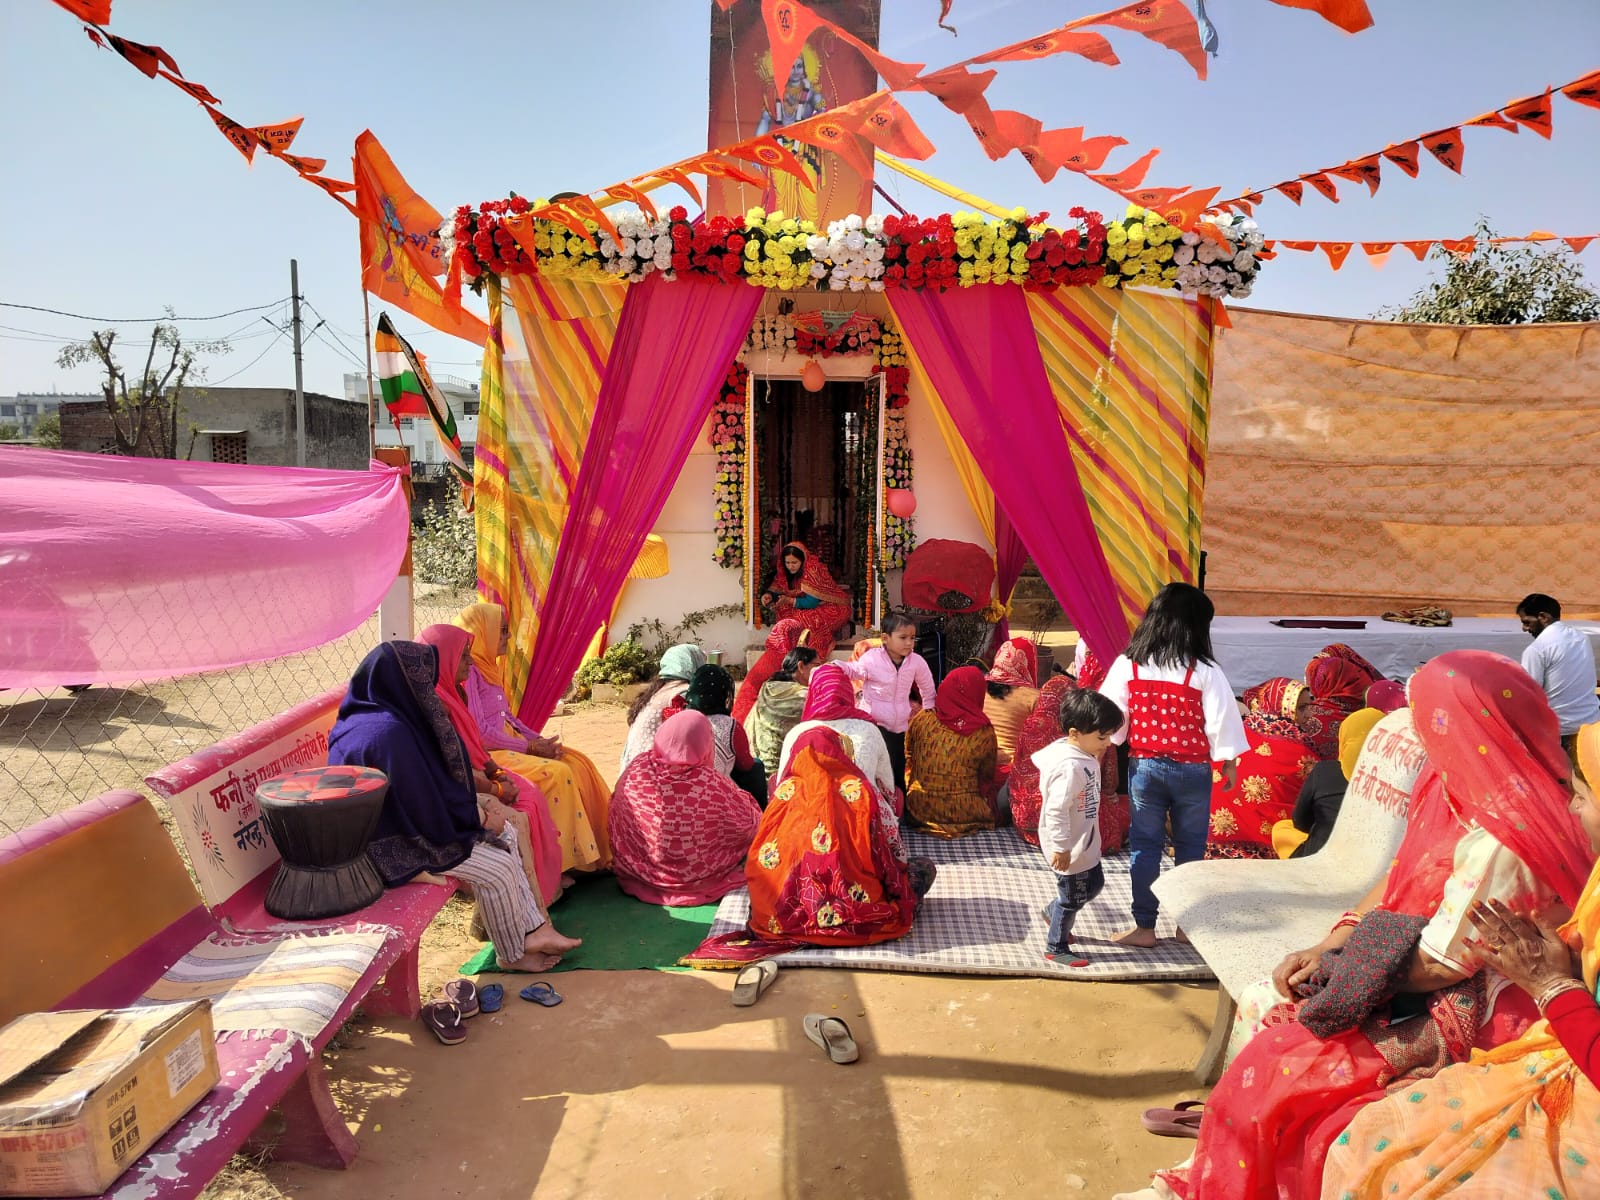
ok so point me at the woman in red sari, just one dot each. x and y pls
(1489, 820)
(785, 636)
(1338, 679)
(802, 590)
(1268, 779)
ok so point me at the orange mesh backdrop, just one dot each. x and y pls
(1361, 466)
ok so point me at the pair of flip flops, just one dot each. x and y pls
(1182, 1121)
(752, 982)
(833, 1035)
(462, 1000)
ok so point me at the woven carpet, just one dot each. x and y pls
(619, 933)
(983, 918)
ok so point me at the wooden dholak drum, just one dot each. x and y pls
(321, 820)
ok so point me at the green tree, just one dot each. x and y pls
(9, 432)
(144, 412)
(47, 431)
(1502, 285)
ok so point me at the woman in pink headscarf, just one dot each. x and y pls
(1013, 691)
(785, 636)
(1338, 679)
(831, 704)
(680, 829)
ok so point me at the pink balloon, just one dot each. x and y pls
(900, 502)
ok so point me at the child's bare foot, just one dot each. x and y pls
(1181, 936)
(1143, 939)
(547, 940)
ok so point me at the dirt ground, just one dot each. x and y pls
(652, 1084)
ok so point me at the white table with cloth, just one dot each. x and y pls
(1251, 649)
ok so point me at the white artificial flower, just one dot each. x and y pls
(853, 222)
(628, 247)
(858, 285)
(1232, 279)
(1190, 238)
(608, 248)
(874, 252)
(1244, 261)
(1216, 274)
(1183, 254)
(855, 240)
(1241, 291)
(875, 285)
(874, 225)
(644, 247)
(818, 269)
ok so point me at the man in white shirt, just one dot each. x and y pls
(1561, 661)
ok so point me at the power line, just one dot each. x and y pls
(56, 312)
(316, 333)
(332, 329)
(246, 367)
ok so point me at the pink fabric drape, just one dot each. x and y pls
(673, 346)
(1009, 555)
(979, 350)
(142, 568)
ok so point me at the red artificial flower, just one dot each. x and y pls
(916, 254)
(519, 204)
(736, 243)
(677, 213)
(891, 227)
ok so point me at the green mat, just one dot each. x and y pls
(619, 933)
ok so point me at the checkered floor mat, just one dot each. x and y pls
(983, 918)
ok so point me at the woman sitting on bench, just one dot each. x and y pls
(433, 820)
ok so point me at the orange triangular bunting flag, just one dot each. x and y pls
(1578, 243)
(829, 132)
(1403, 156)
(789, 24)
(1291, 188)
(1420, 249)
(195, 90)
(244, 141)
(980, 119)
(1337, 252)
(632, 195)
(1186, 209)
(1445, 145)
(149, 59)
(587, 210)
(96, 12)
(1130, 176)
(1288, 245)
(1016, 129)
(275, 139)
(673, 175)
(1532, 111)
(1058, 41)
(1460, 247)
(957, 88)
(331, 186)
(766, 150)
(1167, 22)
(1253, 197)
(1377, 252)
(1070, 149)
(1323, 184)
(1492, 120)
(1154, 197)
(1585, 90)
(306, 166)
(713, 167)
(1352, 16)
(1361, 170)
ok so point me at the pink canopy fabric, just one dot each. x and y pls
(979, 350)
(137, 568)
(1009, 555)
(673, 346)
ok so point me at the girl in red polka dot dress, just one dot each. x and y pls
(1182, 717)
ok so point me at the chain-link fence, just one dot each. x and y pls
(59, 748)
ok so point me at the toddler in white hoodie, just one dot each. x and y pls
(1069, 824)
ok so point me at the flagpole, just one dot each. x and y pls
(372, 400)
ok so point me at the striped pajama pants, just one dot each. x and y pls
(505, 901)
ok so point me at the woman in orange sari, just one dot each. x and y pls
(802, 590)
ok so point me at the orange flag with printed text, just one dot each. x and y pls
(399, 254)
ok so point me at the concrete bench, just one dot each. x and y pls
(1244, 916)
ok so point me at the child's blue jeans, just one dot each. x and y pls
(1073, 892)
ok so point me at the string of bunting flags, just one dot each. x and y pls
(1530, 112)
(1377, 253)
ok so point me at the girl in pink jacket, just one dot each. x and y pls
(887, 675)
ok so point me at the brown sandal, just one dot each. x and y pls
(443, 1020)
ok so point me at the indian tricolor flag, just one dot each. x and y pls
(408, 390)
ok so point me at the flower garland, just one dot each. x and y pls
(899, 533)
(814, 335)
(727, 439)
(1221, 258)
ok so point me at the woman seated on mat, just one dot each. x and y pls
(677, 668)
(680, 829)
(803, 590)
(826, 867)
(1322, 794)
(432, 822)
(1490, 820)
(711, 694)
(576, 813)
(1523, 1119)
(950, 760)
(1021, 796)
(1268, 778)
(778, 707)
(575, 792)
(1338, 679)
(831, 703)
(529, 815)
(785, 636)
(1013, 692)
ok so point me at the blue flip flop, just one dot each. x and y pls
(541, 993)
(490, 997)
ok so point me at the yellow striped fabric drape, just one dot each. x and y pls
(1131, 372)
(542, 370)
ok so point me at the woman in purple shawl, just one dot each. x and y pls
(433, 820)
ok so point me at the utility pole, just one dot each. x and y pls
(299, 388)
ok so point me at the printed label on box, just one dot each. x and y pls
(184, 1061)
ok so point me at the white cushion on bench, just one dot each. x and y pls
(1244, 915)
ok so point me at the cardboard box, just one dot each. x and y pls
(84, 1093)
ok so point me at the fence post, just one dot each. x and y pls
(395, 622)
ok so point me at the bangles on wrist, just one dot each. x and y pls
(1350, 920)
(1556, 988)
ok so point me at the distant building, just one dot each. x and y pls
(26, 409)
(239, 425)
(416, 434)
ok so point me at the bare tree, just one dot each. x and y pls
(145, 412)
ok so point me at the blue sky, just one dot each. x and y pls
(121, 197)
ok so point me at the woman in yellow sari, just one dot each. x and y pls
(1523, 1119)
(577, 793)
